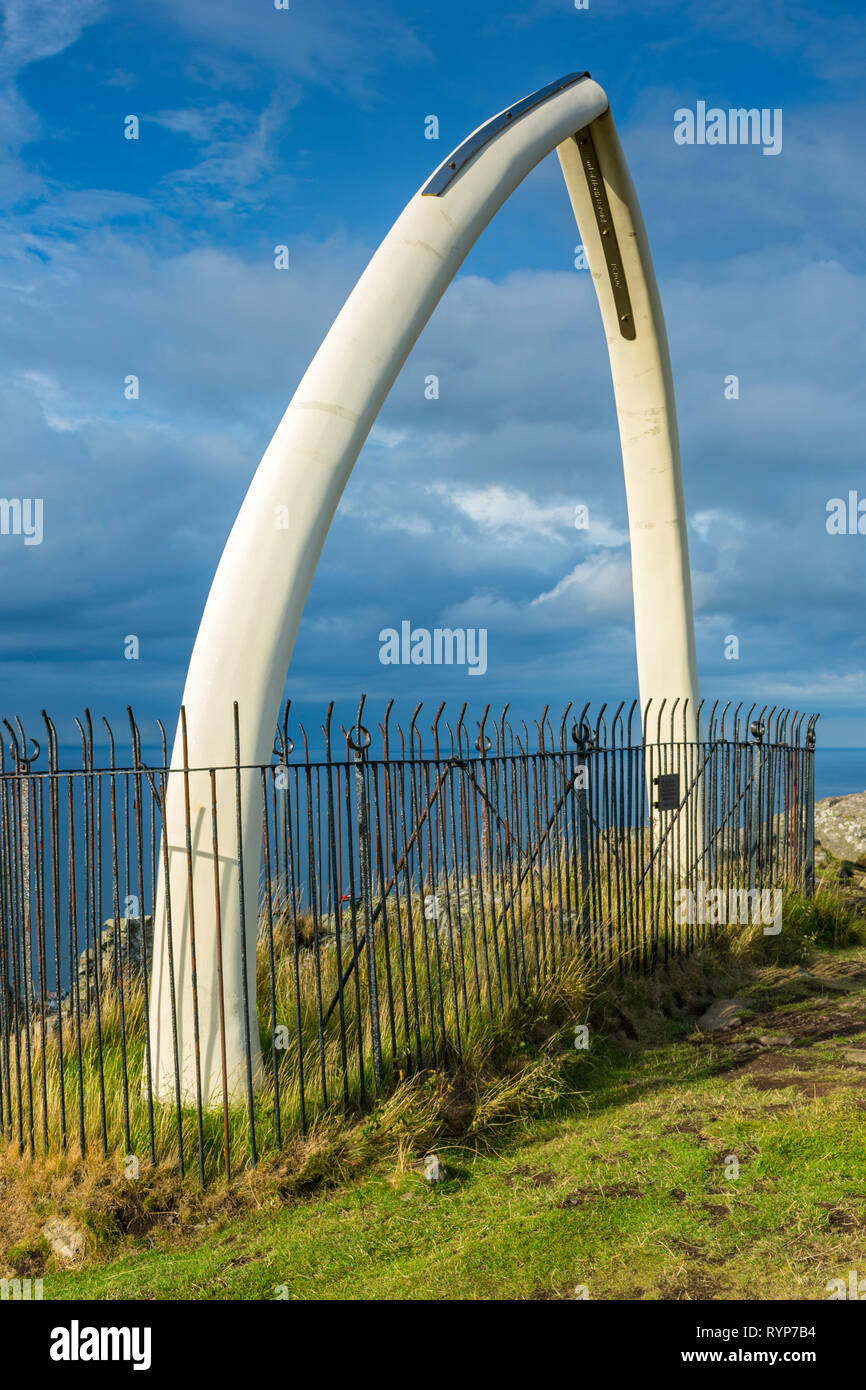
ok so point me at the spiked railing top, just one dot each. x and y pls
(583, 728)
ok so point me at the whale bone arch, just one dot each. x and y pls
(254, 607)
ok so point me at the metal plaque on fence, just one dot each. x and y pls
(668, 784)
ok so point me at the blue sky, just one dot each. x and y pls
(306, 127)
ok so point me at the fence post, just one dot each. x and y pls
(18, 749)
(483, 745)
(582, 735)
(359, 742)
(809, 865)
(757, 732)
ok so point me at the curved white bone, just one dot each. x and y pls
(254, 607)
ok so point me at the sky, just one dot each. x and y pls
(305, 127)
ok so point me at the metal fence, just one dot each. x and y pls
(413, 890)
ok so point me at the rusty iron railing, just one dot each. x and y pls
(410, 892)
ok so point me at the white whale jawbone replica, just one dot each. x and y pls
(643, 387)
(254, 607)
(649, 440)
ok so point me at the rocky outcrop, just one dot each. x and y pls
(724, 1013)
(130, 944)
(65, 1239)
(840, 825)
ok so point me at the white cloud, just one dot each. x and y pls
(598, 586)
(337, 46)
(513, 516)
(36, 29)
(32, 30)
(594, 589)
(239, 145)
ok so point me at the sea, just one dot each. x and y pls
(839, 771)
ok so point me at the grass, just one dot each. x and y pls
(623, 1191)
(607, 1170)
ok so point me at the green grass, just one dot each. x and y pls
(601, 1169)
(621, 1189)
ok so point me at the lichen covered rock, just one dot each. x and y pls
(840, 825)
